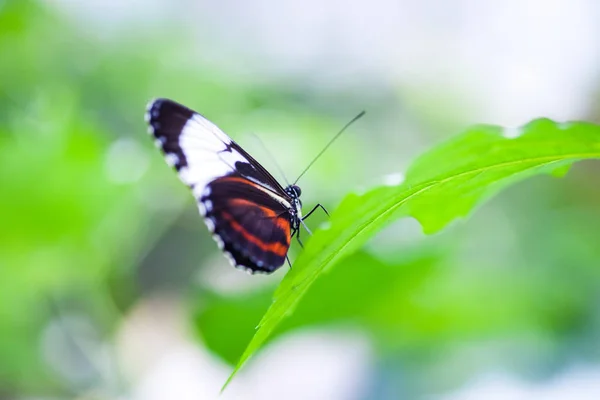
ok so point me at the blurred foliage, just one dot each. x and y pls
(67, 226)
(352, 303)
(94, 222)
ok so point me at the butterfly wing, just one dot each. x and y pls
(245, 208)
(253, 227)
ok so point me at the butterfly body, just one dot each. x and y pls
(251, 216)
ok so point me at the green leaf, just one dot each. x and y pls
(443, 184)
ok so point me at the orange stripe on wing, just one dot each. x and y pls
(269, 213)
(274, 247)
(237, 179)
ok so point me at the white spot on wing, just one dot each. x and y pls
(230, 258)
(258, 271)
(202, 208)
(219, 241)
(208, 205)
(184, 175)
(171, 159)
(148, 108)
(245, 268)
(210, 224)
(198, 190)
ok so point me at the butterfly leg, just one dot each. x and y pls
(288, 261)
(308, 215)
(314, 209)
(297, 233)
(323, 208)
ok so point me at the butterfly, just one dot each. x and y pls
(251, 216)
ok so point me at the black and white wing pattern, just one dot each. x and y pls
(249, 213)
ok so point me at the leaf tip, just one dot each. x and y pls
(228, 381)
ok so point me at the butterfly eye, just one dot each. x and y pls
(297, 190)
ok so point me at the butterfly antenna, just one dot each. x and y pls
(273, 160)
(330, 143)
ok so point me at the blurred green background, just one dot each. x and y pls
(111, 287)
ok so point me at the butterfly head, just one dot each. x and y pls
(294, 191)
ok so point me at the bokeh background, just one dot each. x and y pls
(111, 287)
